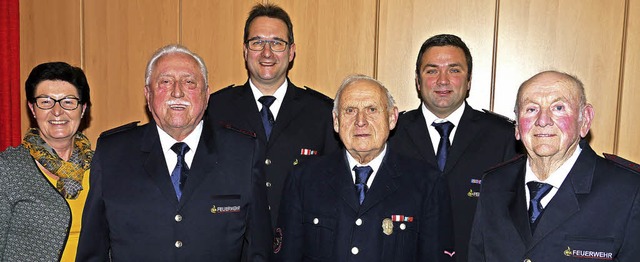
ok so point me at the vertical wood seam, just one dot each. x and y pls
(376, 40)
(82, 35)
(494, 55)
(623, 51)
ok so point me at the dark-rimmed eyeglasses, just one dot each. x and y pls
(67, 103)
(258, 44)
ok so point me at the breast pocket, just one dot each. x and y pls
(319, 235)
(401, 241)
(585, 248)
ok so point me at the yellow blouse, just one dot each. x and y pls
(76, 205)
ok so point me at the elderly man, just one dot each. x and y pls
(446, 132)
(178, 188)
(365, 203)
(292, 124)
(561, 202)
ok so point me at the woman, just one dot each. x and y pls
(44, 181)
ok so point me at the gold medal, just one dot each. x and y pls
(387, 226)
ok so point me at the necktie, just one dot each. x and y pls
(536, 192)
(362, 175)
(181, 171)
(265, 113)
(444, 129)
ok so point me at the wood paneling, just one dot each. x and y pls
(628, 138)
(49, 31)
(583, 38)
(333, 40)
(120, 36)
(405, 25)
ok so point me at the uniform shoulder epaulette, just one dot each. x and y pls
(120, 128)
(623, 162)
(499, 116)
(236, 129)
(224, 89)
(514, 159)
(317, 94)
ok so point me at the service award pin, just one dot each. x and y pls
(387, 226)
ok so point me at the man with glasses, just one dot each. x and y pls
(292, 124)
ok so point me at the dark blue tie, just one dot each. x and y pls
(536, 192)
(265, 113)
(181, 171)
(362, 175)
(444, 129)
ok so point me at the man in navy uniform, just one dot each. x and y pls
(292, 124)
(365, 203)
(178, 188)
(560, 202)
(473, 141)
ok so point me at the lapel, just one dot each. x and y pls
(419, 134)
(518, 206)
(291, 105)
(249, 112)
(340, 180)
(204, 162)
(565, 203)
(466, 132)
(383, 185)
(155, 164)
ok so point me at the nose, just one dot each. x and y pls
(544, 118)
(361, 119)
(177, 90)
(57, 109)
(266, 51)
(443, 78)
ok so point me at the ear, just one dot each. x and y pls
(147, 94)
(33, 112)
(292, 52)
(517, 132)
(393, 118)
(84, 109)
(336, 122)
(587, 116)
(418, 82)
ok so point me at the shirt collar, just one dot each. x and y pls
(454, 117)
(278, 94)
(556, 178)
(191, 140)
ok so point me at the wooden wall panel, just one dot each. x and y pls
(405, 25)
(628, 138)
(120, 36)
(49, 31)
(580, 37)
(333, 40)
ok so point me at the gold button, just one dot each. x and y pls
(178, 244)
(178, 218)
(267, 162)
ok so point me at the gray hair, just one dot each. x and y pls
(360, 77)
(172, 49)
(573, 79)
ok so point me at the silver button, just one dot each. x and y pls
(527, 260)
(403, 226)
(268, 184)
(355, 250)
(316, 221)
(267, 162)
(178, 244)
(358, 222)
(269, 207)
(178, 218)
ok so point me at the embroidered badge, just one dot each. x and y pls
(600, 255)
(277, 240)
(473, 194)
(225, 209)
(450, 254)
(308, 152)
(476, 181)
(387, 226)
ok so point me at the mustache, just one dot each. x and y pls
(177, 102)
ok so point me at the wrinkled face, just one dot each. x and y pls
(363, 120)
(442, 81)
(550, 121)
(268, 68)
(177, 95)
(57, 124)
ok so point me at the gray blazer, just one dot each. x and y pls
(34, 217)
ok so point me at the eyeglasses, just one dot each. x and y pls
(67, 103)
(258, 44)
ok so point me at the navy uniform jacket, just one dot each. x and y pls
(303, 122)
(481, 141)
(322, 220)
(132, 212)
(594, 216)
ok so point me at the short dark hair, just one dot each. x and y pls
(58, 71)
(445, 40)
(268, 10)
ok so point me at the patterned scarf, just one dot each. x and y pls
(70, 172)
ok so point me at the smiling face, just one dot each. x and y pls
(268, 69)
(57, 125)
(363, 120)
(443, 79)
(177, 95)
(551, 121)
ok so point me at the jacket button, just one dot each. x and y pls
(403, 226)
(178, 218)
(267, 162)
(358, 222)
(527, 260)
(268, 184)
(178, 244)
(316, 221)
(355, 250)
